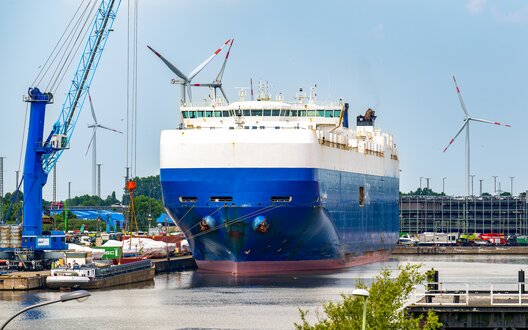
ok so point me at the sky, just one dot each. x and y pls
(397, 57)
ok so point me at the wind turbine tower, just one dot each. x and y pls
(465, 125)
(94, 126)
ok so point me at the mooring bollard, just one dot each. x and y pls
(521, 280)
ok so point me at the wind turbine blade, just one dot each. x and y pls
(91, 140)
(223, 93)
(110, 129)
(92, 108)
(489, 122)
(204, 63)
(457, 134)
(460, 97)
(170, 65)
(221, 73)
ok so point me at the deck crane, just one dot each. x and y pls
(42, 155)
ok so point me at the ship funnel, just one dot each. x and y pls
(345, 116)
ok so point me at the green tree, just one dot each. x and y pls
(148, 186)
(422, 192)
(385, 305)
(146, 208)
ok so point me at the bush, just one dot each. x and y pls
(385, 305)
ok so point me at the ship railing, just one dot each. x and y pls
(466, 294)
(123, 269)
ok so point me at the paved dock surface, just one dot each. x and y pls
(422, 249)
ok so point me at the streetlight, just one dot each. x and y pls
(80, 296)
(494, 184)
(365, 294)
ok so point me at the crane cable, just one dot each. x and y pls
(45, 66)
(61, 71)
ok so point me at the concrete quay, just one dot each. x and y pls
(498, 250)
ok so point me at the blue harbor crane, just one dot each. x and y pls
(42, 155)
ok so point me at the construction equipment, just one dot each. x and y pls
(42, 155)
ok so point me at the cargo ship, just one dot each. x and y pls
(267, 185)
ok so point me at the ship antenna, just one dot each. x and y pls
(251, 83)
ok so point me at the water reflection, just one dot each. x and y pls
(196, 299)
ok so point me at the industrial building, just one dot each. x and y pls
(468, 214)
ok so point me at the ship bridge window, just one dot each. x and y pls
(188, 199)
(208, 113)
(225, 113)
(361, 196)
(217, 113)
(253, 127)
(329, 113)
(311, 113)
(275, 112)
(285, 113)
(337, 113)
(191, 114)
(267, 113)
(256, 112)
(294, 113)
(221, 199)
(302, 113)
(247, 113)
(320, 113)
(185, 114)
(281, 199)
(199, 114)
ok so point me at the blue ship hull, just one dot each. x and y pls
(313, 217)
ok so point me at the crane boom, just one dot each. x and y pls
(41, 156)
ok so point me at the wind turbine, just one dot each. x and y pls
(217, 83)
(186, 80)
(465, 125)
(94, 126)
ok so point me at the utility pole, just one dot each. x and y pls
(511, 188)
(472, 176)
(443, 185)
(480, 187)
(494, 184)
(99, 180)
(55, 183)
(1, 189)
(17, 182)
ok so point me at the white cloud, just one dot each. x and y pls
(476, 6)
(519, 16)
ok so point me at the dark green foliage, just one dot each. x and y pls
(147, 208)
(422, 192)
(388, 295)
(149, 186)
(87, 200)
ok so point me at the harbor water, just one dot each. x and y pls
(197, 300)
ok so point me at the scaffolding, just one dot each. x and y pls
(469, 214)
